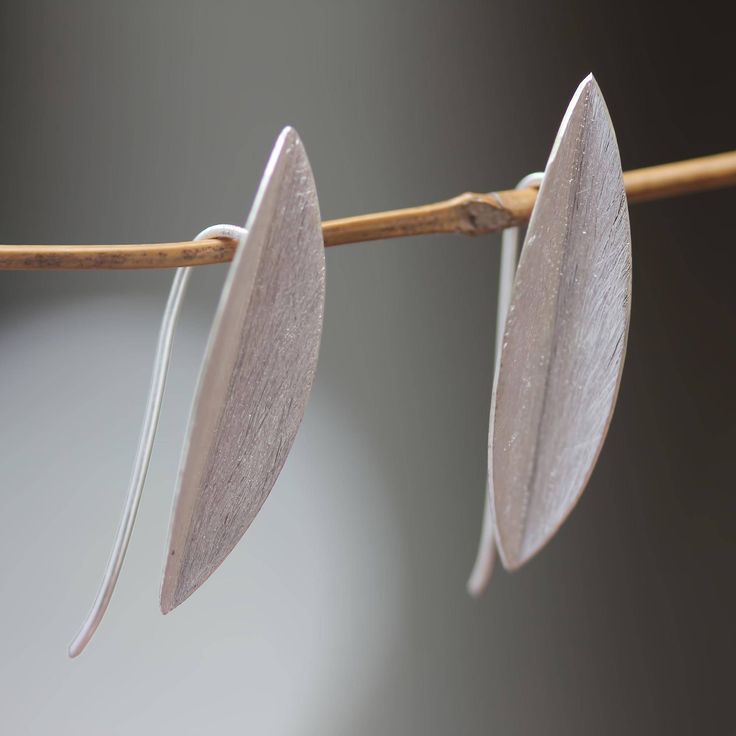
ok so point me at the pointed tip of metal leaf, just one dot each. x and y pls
(287, 135)
(588, 83)
(587, 88)
(588, 79)
(565, 338)
(168, 602)
(584, 90)
(171, 597)
(177, 587)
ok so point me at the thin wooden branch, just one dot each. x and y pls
(469, 214)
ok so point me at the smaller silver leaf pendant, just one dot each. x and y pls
(565, 337)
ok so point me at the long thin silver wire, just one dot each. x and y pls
(480, 577)
(145, 443)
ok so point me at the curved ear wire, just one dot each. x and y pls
(565, 337)
(145, 443)
(256, 376)
(480, 577)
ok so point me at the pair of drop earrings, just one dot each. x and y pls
(562, 325)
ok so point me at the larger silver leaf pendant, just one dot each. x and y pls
(257, 373)
(565, 336)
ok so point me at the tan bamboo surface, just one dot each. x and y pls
(469, 214)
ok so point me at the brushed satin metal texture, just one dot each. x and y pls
(256, 376)
(566, 332)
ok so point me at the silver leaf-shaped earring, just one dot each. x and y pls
(254, 384)
(565, 337)
(256, 377)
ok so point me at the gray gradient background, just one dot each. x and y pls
(344, 610)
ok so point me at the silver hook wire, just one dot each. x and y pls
(480, 577)
(145, 443)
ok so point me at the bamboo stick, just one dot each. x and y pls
(469, 214)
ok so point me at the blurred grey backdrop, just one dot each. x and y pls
(344, 610)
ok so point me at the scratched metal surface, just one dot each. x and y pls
(565, 337)
(256, 376)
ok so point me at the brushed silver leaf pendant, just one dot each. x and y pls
(256, 376)
(565, 336)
